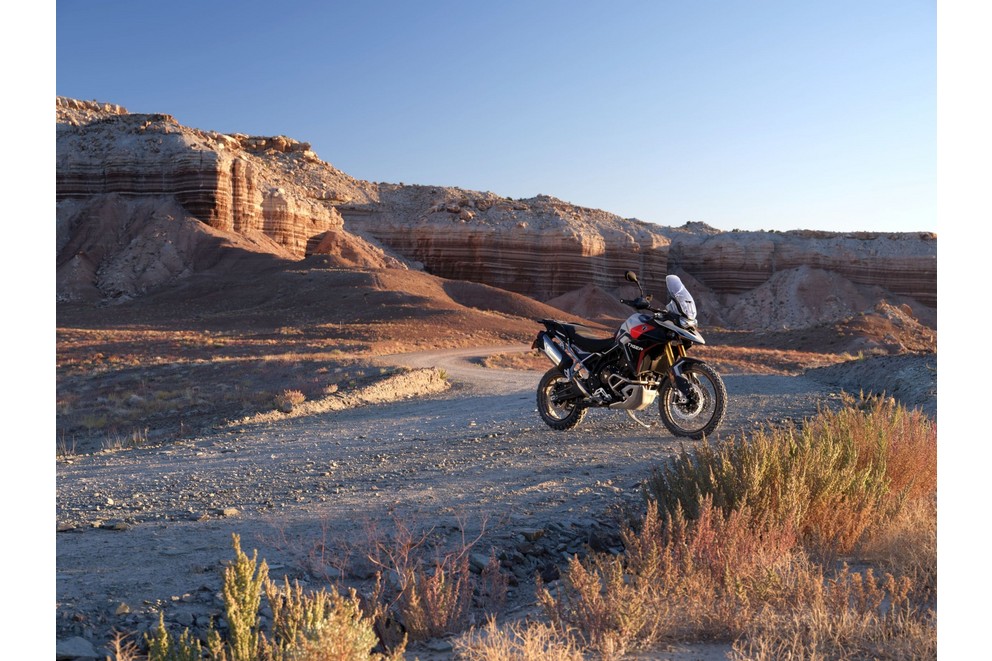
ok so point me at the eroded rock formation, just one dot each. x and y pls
(142, 200)
(736, 262)
(541, 247)
(143, 179)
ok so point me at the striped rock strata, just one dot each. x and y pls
(140, 196)
(541, 247)
(545, 248)
(735, 262)
(123, 179)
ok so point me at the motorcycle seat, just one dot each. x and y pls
(587, 342)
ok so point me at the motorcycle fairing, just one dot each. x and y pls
(686, 333)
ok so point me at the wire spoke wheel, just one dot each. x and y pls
(558, 413)
(699, 412)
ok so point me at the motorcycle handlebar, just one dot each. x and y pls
(639, 303)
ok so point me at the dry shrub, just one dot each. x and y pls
(677, 579)
(306, 626)
(492, 587)
(317, 626)
(163, 647)
(534, 641)
(242, 590)
(288, 400)
(726, 577)
(852, 616)
(121, 648)
(907, 546)
(437, 600)
(835, 478)
(433, 591)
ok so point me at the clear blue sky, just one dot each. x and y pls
(778, 114)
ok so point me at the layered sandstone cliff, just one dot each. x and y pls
(142, 200)
(143, 179)
(736, 262)
(541, 247)
(556, 252)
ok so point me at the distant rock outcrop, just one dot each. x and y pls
(541, 247)
(142, 201)
(131, 188)
(737, 262)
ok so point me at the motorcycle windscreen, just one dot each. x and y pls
(681, 296)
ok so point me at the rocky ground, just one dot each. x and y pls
(212, 382)
(148, 530)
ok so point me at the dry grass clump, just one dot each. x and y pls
(317, 626)
(288, 400)
(432, 599)
(533, 641)
(906, 545)
(851, 616)
(434, 591)
(676, 580)
(437, 601)
(739, 540)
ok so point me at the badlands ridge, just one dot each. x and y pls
(144, 202)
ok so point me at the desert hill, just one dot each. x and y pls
(144, 203)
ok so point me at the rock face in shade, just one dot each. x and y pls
(736, 262)
(143, 201)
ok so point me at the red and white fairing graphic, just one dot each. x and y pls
(635, 326)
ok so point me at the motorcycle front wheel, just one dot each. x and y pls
(557, 415)
(700, 413)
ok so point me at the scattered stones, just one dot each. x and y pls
(439, 645)
(532, 534)
(74, 648)
(115, 524)
(478, 562)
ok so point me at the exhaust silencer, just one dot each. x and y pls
(554, 354)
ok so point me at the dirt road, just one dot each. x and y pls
(150, 528)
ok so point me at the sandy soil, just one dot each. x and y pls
(150, 528)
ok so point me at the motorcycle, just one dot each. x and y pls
(644, 361)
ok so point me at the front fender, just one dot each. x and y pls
(680, 381)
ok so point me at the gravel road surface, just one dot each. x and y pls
(150, 528)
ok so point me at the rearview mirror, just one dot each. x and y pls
(630, 275)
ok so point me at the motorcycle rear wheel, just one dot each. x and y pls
(700, 414)
(560, 416)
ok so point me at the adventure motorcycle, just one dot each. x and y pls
(644, 360)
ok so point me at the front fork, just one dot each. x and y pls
(674, 357)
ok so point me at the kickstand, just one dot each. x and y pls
(634, 418)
